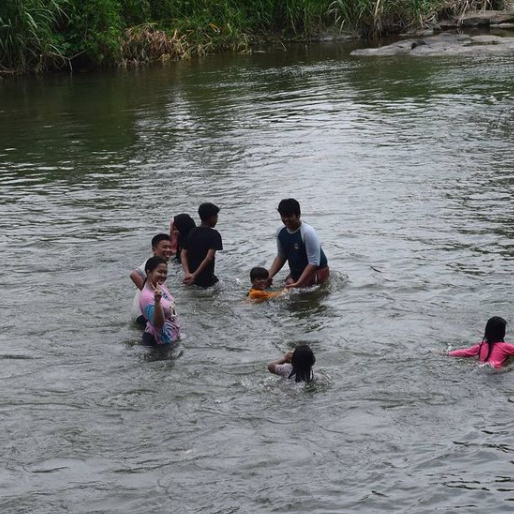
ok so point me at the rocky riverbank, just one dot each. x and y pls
(457, 36)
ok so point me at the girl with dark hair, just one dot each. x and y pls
(181, 225)
(297, 364)
(493, 350)
(158, 305)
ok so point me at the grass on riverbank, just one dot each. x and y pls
(378, 17)
(42, 35)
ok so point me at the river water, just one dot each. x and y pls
(405, 169)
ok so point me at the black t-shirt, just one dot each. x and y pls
(199, 242)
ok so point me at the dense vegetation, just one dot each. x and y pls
(41, 35)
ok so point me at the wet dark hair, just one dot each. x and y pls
(158, 238)
(153, 262)
(289, 206)
(302, 361)
(207, 211)
(494, 333)
(184, 224)
(256, 273)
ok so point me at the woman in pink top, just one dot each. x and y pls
(493, 349)
(158, 305)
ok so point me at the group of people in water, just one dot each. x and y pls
(195, 248)
(298, 245)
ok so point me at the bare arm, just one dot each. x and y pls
(272, 366)
(190, 277)
(183, 260)
(137, 279)
(304, 277)
(466, 352)
(276, 265)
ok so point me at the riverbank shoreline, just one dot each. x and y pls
(57, 47)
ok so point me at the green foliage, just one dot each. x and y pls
(28, 35)
(135, 12)
(36, 35)
(94, 31)
(303, 16)
(352, 14)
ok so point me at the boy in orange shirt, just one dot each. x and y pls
(260, 278)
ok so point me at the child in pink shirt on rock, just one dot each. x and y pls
(493, 350)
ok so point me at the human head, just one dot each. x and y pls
(259, 278)
(495, 329)
(208, 213)
(289, 210)
(156, 269)
(184, 224)
(161, 246)
(289, 206)
(302, 361)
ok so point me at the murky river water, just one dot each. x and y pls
(404, 167)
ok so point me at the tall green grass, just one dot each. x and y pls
(28, 34)
(377, 17)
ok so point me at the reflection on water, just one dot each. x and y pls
(404, 168)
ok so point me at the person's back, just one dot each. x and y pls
(198, 244)
(499, 353)
(198, 254)
(493, 350)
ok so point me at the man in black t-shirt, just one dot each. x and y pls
(198, 253)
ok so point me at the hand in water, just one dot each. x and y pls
(189, 279)
(290, 283)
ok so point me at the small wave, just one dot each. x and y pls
(17, 357)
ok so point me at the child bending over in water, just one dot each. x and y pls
(260, 279)
(493, 349)
(297, 365)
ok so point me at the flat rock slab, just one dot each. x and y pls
(444, 44)
(478, 20)
(486, 18)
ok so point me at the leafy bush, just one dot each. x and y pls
(94, 31)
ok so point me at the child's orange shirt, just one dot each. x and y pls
(261, 296)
